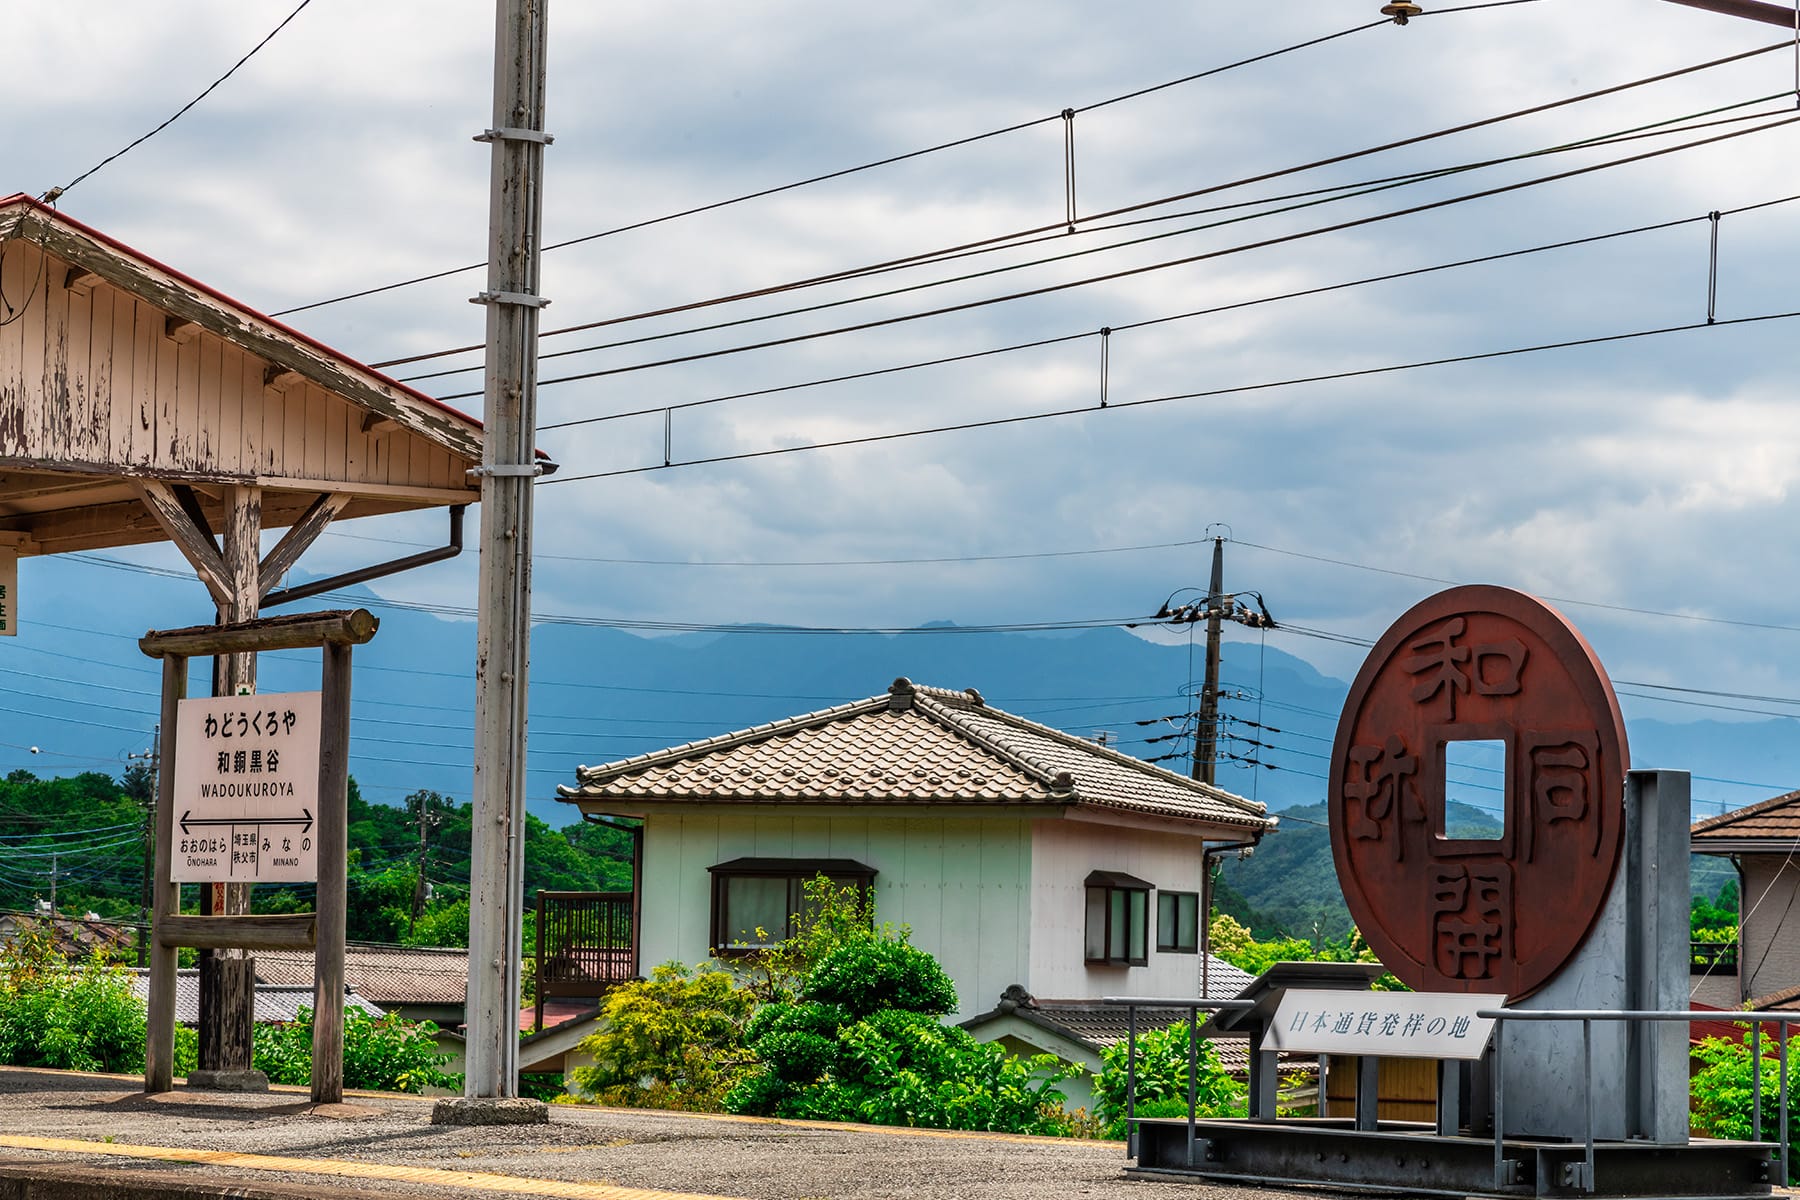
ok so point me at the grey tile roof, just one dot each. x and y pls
(913, 745)
(388, 975)
(275, 1003)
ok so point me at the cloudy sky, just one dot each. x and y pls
(1646, 483)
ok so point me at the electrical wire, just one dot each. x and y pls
(1301, 201)
(1113, 276)
(845, 171)
(1211, 393)
(55, 193)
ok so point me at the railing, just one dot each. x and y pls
(1587, 1017)
(1131, 1005)
(1706, 957)
(1500, 1017)
(585, 944)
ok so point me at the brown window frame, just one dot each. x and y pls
(1172, 944)
(797, 872)
(1131, 935)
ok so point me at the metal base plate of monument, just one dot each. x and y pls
(1409, 1158)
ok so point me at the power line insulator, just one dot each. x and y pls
(1402, 13)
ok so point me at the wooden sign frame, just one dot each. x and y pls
(323, 931)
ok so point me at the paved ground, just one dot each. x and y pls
(280, 1144)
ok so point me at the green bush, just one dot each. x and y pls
(383, 1054)
(866, 975)
(674, 1040)
(1162, 1081)
(71, 1017)
(1721, 1092)
(896, 1067)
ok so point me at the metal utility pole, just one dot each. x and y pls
(1206, 737)
(497, 848)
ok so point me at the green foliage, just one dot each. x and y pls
(867, 975)
(1162, 1080)
(1232, 942)
(382, 1054)
(68, 1016)
(895, 1067)
(1721, 1094)
(674, 1040)
(1716, 919)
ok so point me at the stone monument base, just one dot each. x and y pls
(489, 1110)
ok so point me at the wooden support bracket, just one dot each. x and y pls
(79, 281)
(195, 543)
(301, 534)
(181, 331)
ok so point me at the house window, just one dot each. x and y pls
(1178, 922)
(755, 900)
(1118, 926)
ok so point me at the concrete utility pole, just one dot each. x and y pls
(1750, 10)
(1206, 737)
(497, 848)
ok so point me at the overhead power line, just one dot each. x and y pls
(1056, 232)
(1089, 409)
(1131, 272)
(52, 195)
(842, 172)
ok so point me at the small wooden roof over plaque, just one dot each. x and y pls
(115, 368)
(1497, 915)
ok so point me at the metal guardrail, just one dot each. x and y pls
(1500, 1016)
(1587, 1017)
(1131, 1005)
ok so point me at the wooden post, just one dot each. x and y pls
(159, 1035)
(332, 906)
(509, 465)
(228, 976)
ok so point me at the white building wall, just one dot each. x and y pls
(1062, 855)
(961, 882)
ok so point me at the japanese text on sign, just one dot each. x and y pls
(246, 789)
(1401, 1024)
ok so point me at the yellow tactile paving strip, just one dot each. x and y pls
(479, 1181)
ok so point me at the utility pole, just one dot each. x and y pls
(1206, 737)
(148, 800)
(497, 848)
(428, 818)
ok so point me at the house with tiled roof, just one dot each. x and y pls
(1763, 841)
(1017, 854)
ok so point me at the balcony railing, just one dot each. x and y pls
(1713, 958)
(585, 944)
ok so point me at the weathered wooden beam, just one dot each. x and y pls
(341, 627)
(333, 898)
(300, 535)
(181, 330)
(195, 544)
(159, 1036)
(276, 931)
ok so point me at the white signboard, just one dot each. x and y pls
(246, 789)
(9, 592)
(1400, 1024)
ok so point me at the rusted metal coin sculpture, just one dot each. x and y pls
(1478, 914)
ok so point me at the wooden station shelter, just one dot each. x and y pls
(139, 405)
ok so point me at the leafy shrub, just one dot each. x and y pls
(1721, 1092)
(70, 1017)
(674, 1040)
(1162, 1080)
(867, 975)
(384, 1054)
(896, 1067)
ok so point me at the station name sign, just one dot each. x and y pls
(246, 790)
(1391, 1024)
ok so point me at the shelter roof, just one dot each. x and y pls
(116, 368)
(387, 975)
(913, 745)
(1772, 824)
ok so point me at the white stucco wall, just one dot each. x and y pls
(960, 881)
(1062, 854)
